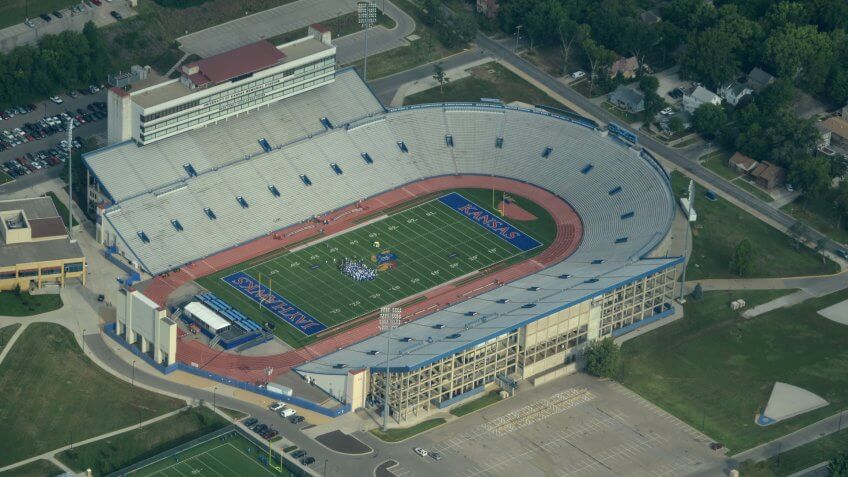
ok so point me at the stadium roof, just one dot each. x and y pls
(211, 319)
(226, 66)
(420, 343)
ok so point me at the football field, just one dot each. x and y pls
(408, 252)
(233, 455)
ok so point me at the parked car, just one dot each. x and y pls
(421, 452)
(296, 419)
(46, 17)
(842, 253)
(250, 421)
(307, 460)
(97, 2)
(578, 74)
(288, 412)
(667, 112)
(298, 453)
(277, 406)
(56, 99)
(57, 14)
(29, 23)
(436, 456)
(116, 15)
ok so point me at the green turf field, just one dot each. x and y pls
(433, 244)
(215, 458)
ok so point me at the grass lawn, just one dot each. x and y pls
(4, 177)
(490, 80)
(820, 214)
(752, 189)
(39, 468)
(426, 49)
(799, 458)
(112, 454)
(6, 333)
(431, 242)
(721, 226)
(232, 413)
(13, 12)
(400, 433)
(477, 404)
(61, 209)
(24, 304)
(53, 395)
(715, 369)
(687, 142)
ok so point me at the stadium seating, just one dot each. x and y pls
(306, 174)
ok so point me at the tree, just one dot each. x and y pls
(821, 248)
(599, 57)
(440, 76)
(569, 33)
(838, 466)
(810, 175)
(602, 358)
(711, 58)
(708, 119)
(788, 50)
(742, 261)
(841, 203)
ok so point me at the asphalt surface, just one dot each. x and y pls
(292, 16)
(49, 108)
(689, 164)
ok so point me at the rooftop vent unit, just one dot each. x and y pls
(587, 168)
(547, 152)
(209, 213)
(177, 225)
(335, 167)
(616, 190)
(143, 236)
(305, 180)
(449, 140)
(190, 170)
(367, 158)
(274, 191)
(499, 143)
(402, 147)
(242, 202)
(265, 145)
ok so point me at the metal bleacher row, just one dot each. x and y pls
(229, 313)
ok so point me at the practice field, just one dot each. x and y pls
(232, 455)
(409, 251)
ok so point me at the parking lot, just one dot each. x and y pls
(24, 34)
(41, 128)
(576, 426)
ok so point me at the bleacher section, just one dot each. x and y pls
(229, 313)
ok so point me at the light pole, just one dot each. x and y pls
(325, 468)
(133, 373)
(214, 391)
(83, 330)
(367, 13)
(70, 182)
(389, 320)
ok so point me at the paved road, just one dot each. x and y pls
(20, 34)
(689, 164)
(293, 16)
(800, 437)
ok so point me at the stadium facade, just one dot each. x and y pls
(174, 202)
(222, 86)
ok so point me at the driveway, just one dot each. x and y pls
(20, 34)
(290, 17)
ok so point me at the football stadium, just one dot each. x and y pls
(508, 236)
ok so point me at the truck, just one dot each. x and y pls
(279, 389)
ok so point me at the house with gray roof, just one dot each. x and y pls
(628, 99)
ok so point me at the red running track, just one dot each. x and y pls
(252, 368)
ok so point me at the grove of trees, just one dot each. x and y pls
(58, 63)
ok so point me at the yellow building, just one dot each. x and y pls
(34, 246)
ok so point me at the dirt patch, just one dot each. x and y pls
(511, 210)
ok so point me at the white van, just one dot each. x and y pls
(288, 412)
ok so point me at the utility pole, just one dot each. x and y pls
(70, 180)
(367, 13)
(389, 320)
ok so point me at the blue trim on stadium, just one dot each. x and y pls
(520, 324)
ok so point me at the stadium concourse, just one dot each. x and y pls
(253, 368)
(198, 202)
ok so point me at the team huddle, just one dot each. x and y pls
(357, 270)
